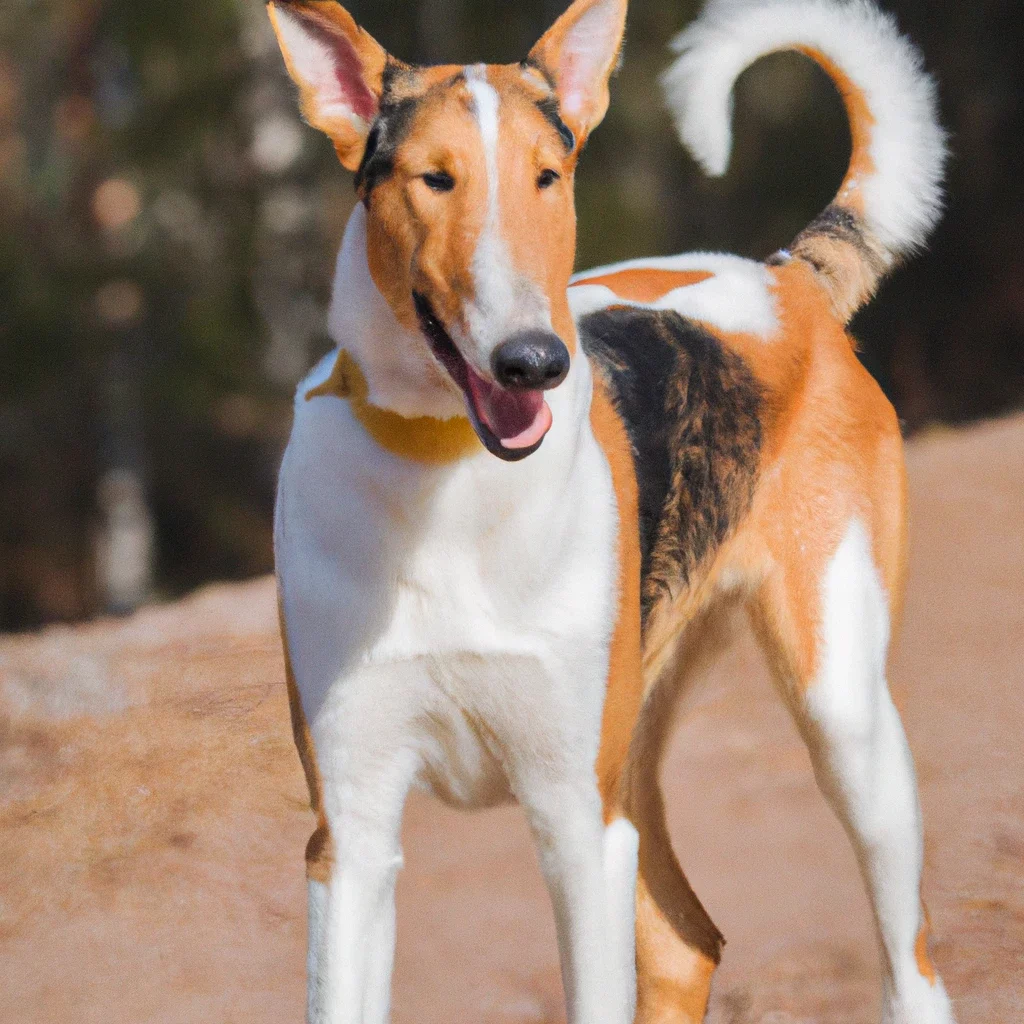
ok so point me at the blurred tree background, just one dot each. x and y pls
(168, 228)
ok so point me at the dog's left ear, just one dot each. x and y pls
(579, 53)
(338, 68)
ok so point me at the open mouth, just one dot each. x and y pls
(510, 424)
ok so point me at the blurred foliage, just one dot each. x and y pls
(168, 228)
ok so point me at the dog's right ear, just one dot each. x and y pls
(338, 68)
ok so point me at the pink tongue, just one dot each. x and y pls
(518, 419)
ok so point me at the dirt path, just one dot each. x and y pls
(152, 813)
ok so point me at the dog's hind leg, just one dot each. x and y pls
(678, 946)
(826, 633)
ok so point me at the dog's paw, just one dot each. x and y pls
(919, 1002)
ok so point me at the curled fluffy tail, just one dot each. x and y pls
(891, 196)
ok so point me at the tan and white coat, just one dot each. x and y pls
(520, 627)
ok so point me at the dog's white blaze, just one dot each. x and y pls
(486, 103)
(864, 766)
(504, 300)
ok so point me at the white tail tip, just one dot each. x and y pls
(902, 198)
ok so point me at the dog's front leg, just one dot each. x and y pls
(580, 860)
(351, 940)
(366, 764)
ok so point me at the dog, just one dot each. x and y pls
(515, 505)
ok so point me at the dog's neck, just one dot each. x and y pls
(401, 375)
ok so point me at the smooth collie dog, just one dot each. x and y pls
(515, 504)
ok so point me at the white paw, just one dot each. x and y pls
(919, 1002)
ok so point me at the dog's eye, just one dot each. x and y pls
(439, 181)
(547, 178)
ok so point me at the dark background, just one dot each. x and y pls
(168, 229)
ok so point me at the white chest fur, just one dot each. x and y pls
(494, 579)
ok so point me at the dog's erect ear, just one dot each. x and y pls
(338, 68)
(580, 52)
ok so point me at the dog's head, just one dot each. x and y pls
(466, 173)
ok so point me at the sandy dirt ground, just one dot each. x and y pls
(153, 813)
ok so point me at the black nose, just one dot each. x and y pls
(533, 360)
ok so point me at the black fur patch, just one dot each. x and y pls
(549, 105)
(386, 134)
(393, 69)
(841, 225)
(837, 223)
(553, 115)
(538, 66)
(693, 413)
(390, 127)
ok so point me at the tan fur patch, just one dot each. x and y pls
(924, 961)
(861, 122)
(678, 945)
(848, 258)
(320, 848)
(625, 681)
(680, 997)
(419, 240)
(832, 450)
(849, 263)
(538, 226)
(647, 284)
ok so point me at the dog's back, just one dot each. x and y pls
(718, 365)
